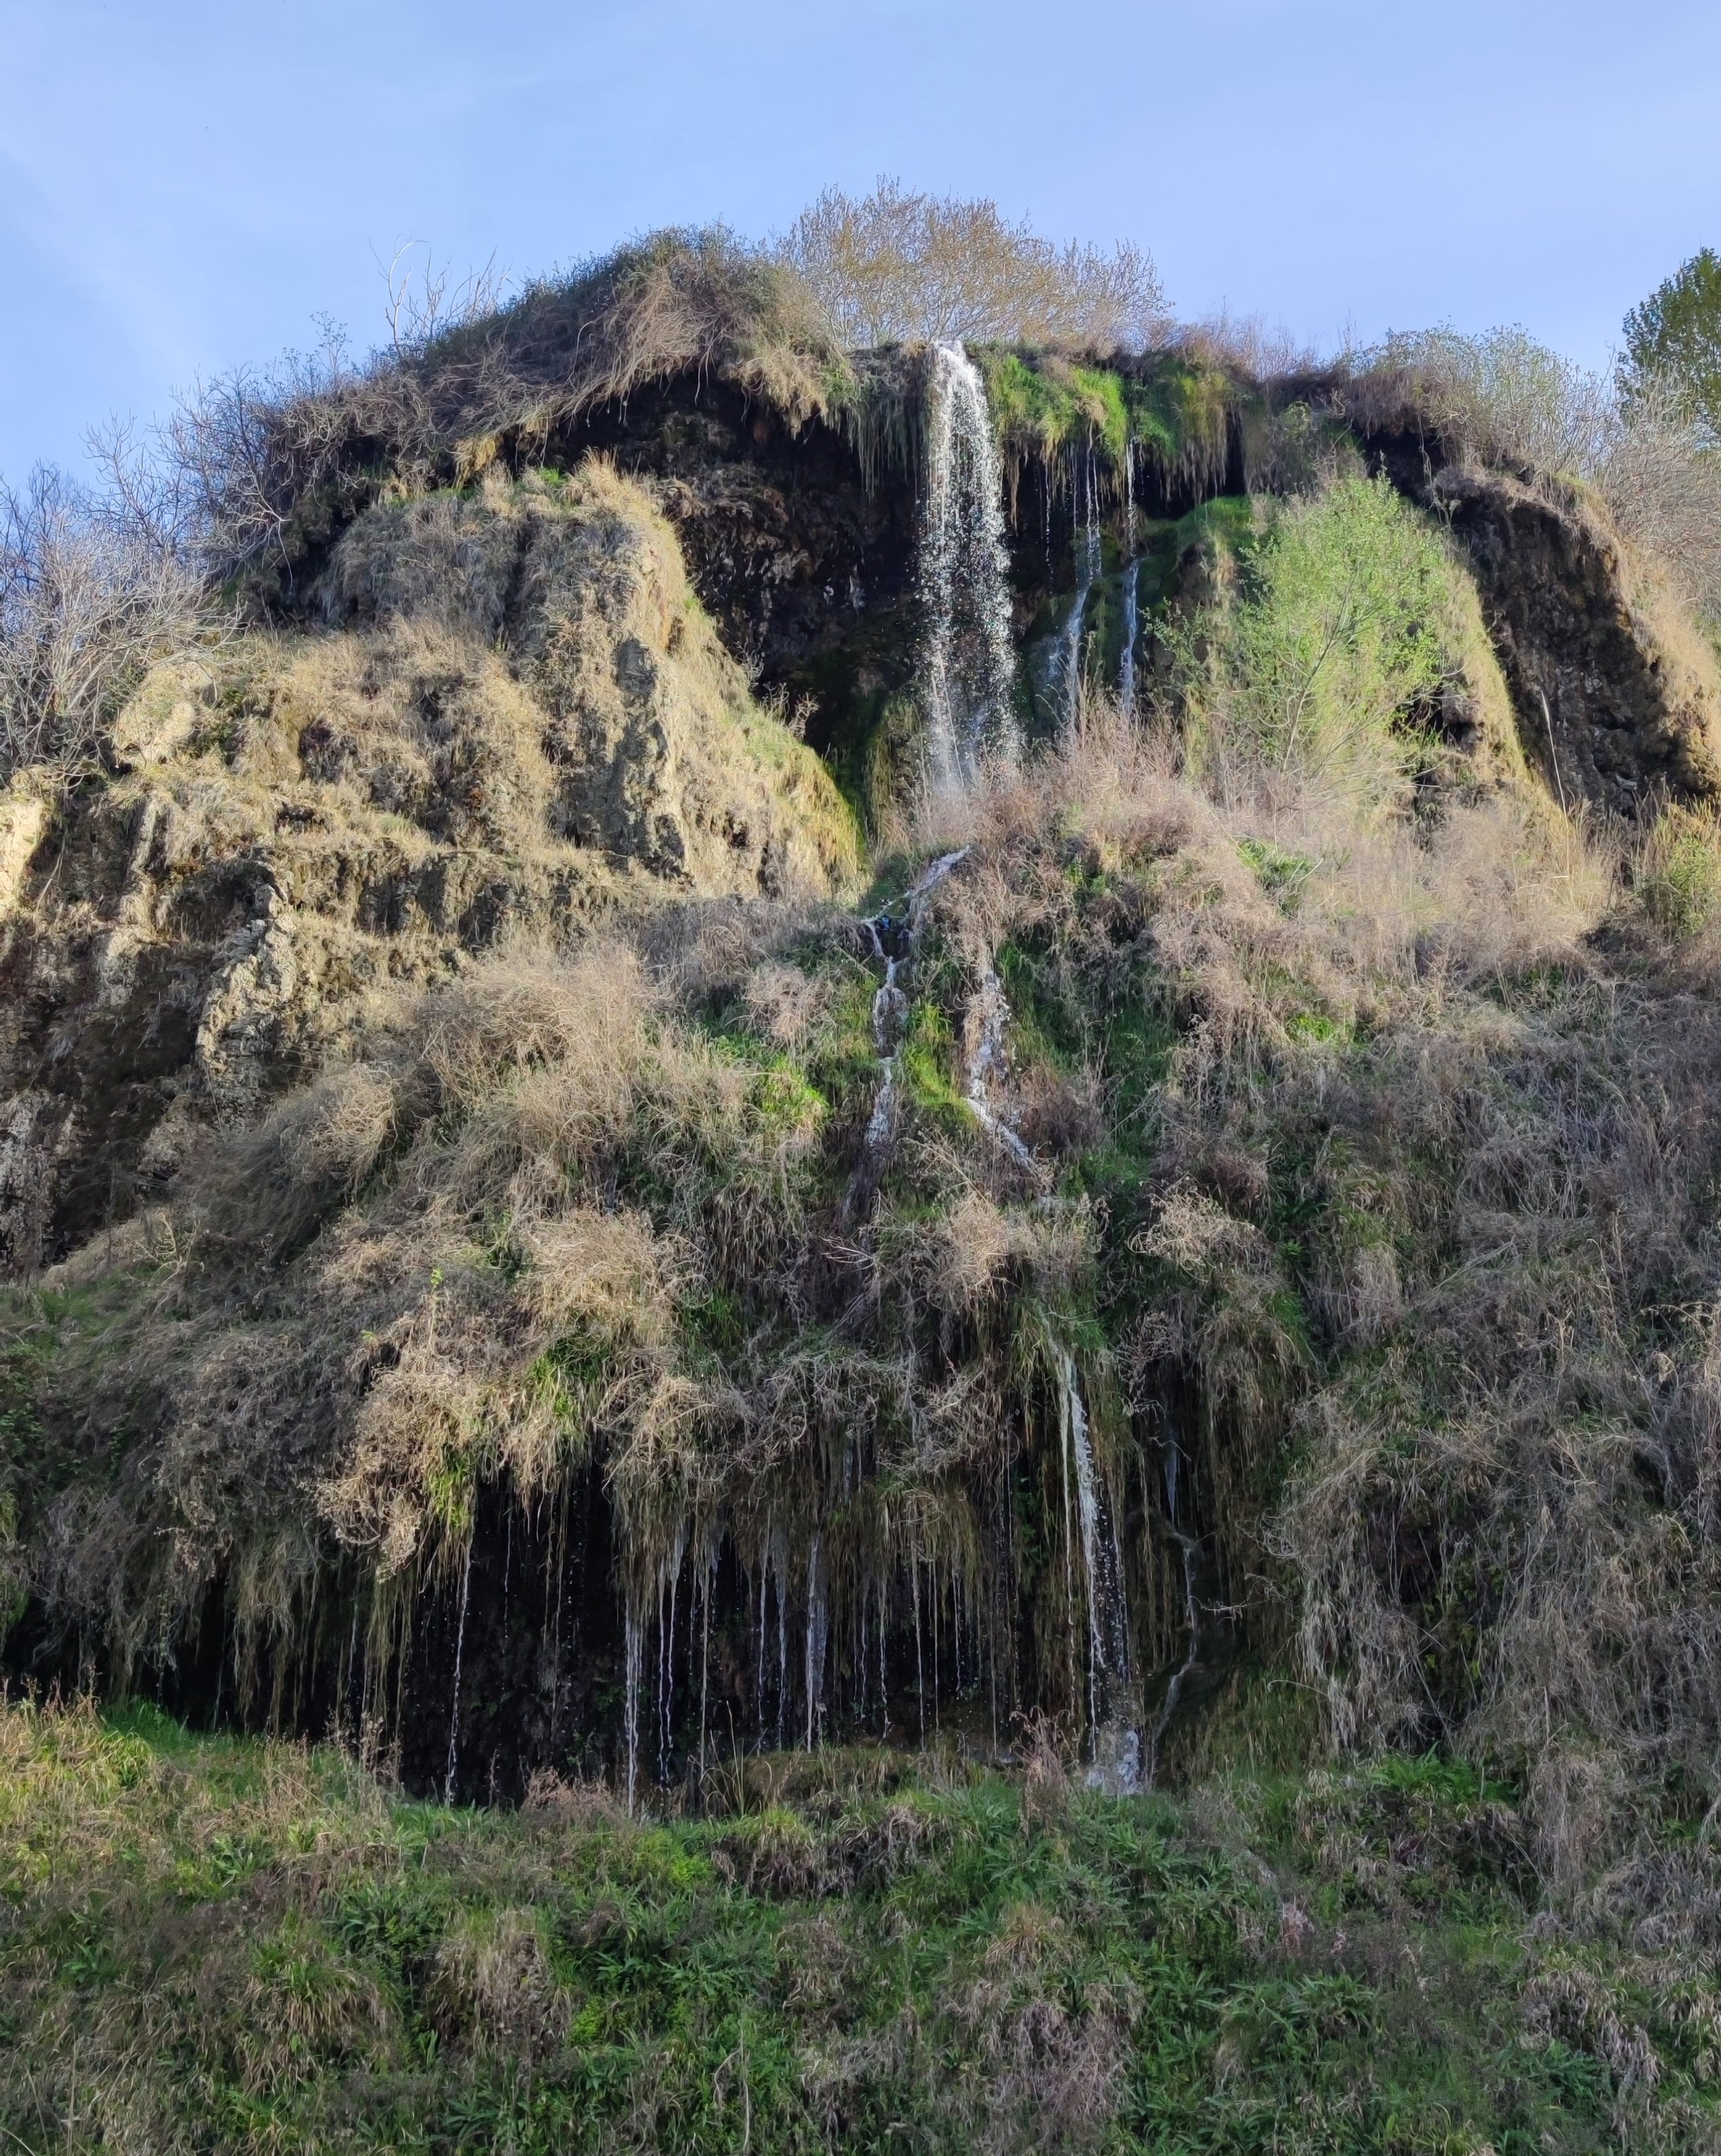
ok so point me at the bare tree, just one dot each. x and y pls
(897, 265)
(424, 302)
(91, 595)
(241, 469)
(1661, 479)
(1501, 396)
(1634, 439)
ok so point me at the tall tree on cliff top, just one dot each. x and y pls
(1675, 338)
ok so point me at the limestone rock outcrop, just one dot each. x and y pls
(525, 722)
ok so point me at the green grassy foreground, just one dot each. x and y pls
(217, 1943)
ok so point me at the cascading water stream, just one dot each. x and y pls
(1084, 511)
(1117, 1742)
(968, 664)
(992, 1010)
(894, 940)
(1189, 1548)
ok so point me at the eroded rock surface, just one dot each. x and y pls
(1616, 699)
(526, 723)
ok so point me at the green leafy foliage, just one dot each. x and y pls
(1173, 409)
(1675, 336)
(232, 1945)
(1336, 643)
(1679, 875)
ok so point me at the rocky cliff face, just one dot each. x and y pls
(636, 1280)
(526, 703)
(1615, 700)
(528, 723)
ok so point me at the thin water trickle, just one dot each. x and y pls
(454, 1725)
(1084, 511)
(1117, 1744)
(1192, 1619)
(818, 1623)
(920, 1666)
(991, 1008)
(633, 1672)
(507, 1573)
(707, 1581)
(666, 1670)
(1131, 581)
(895, 939)
(1132, 629)
(968, 663)
(1189, 1547)
(781, 1651)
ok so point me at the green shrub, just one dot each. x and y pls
(1679, 877)
(1339, 640)
(1675, 337)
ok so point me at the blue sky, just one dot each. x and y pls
(185, 185)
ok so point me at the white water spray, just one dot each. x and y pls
(452, 1778)
(964, 576)
(1116, 1755)
(1084, 511)
(894, 939)
(992, 1010)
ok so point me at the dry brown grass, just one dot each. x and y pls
(276, 461)
(1414, 1251)
(652, 749)
(1490, 1345)
(1502, 398)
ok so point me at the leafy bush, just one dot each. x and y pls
(1673, 343)
(1335, 647)
(1661, 483)
(1501, 396)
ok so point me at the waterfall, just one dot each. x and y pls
(1190, 1549)
(634, 1664)
(992, 1011)
(894, 938)
(1116, 1755)
(1126, 672)
(1131, 579)
(1084, 512)
(964, 576)
(454, 1725)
